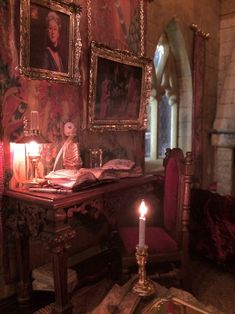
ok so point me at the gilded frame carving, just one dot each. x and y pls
(119, 90)
(177, 305)
(34, 42)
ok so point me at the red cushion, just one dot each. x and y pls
(156, 238)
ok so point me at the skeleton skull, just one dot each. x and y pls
(69, 129)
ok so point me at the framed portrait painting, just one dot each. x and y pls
(119, 90)
(50, 42)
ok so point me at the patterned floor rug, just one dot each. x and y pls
(105, 297)
(85, 299)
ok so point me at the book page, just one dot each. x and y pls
(119, 164)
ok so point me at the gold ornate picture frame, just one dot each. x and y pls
(50, 42)
(119, 90)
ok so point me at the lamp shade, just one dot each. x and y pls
(34, 136)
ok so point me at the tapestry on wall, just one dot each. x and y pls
(56, 103)
(125, 20)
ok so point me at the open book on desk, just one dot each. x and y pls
(75, 180)
(79, 179)
(124, 168)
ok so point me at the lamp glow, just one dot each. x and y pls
(34, 157)
(33, 149)
(32, 140)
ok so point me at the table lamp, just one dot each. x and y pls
(32, 138)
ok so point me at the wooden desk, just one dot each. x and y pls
(48, 216)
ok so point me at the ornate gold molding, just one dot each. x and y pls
(71, 14)
(136, 117)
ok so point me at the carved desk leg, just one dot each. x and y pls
(19, 230)
(24, 287)
(58, 235)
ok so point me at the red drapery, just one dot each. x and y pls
(1, 173)
(198, 86)
(1, 194)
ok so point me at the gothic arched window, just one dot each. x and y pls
(163, 106)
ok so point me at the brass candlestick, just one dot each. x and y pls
(96, 157)
(34, 161)
(142, 286)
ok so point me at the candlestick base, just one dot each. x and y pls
(144, 289)
(142, 286)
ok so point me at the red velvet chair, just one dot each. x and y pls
(168, 242)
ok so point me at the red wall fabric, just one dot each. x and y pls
(1, 193)
(123, 26)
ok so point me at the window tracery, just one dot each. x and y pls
(163, 106)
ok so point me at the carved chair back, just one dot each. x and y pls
(177, 185)
(168, 242)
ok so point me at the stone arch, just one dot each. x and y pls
(177, 43)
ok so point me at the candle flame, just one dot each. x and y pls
(143, 209)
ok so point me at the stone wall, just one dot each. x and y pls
(185, 12)
(223, 137)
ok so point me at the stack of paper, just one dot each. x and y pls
(43, 278)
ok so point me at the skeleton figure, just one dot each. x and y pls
(70, 149)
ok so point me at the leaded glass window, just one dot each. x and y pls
(163, 106)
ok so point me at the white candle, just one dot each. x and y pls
(143, 211)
